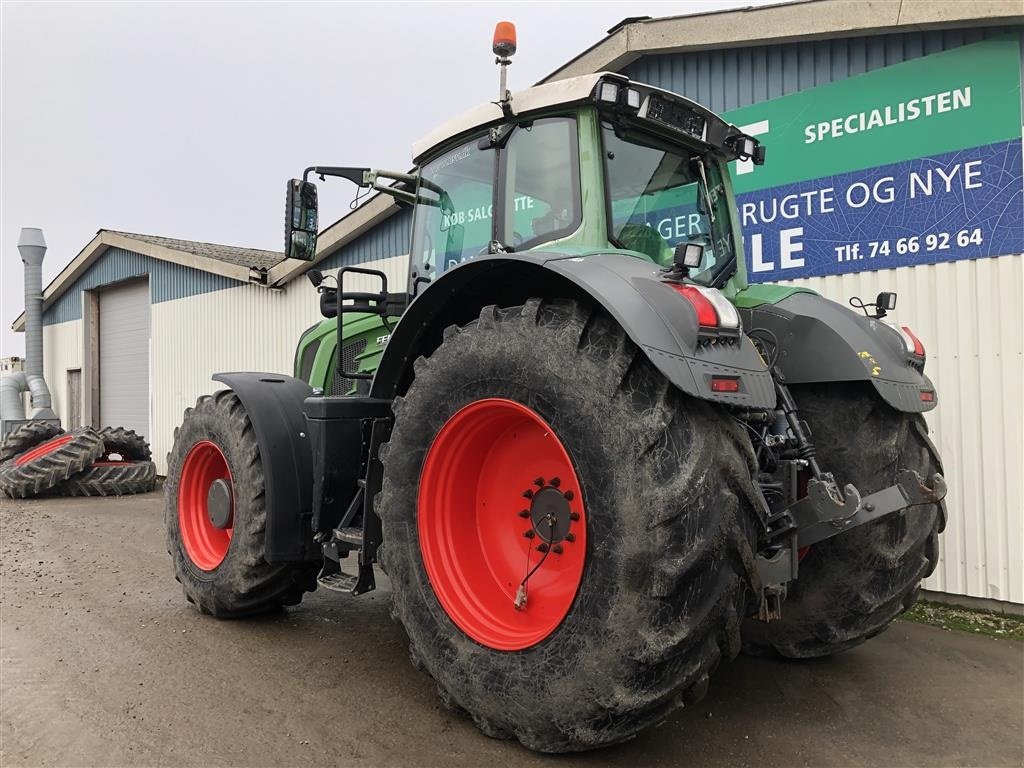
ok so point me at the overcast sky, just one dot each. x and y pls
(186, 119)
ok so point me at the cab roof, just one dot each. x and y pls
(570, 91)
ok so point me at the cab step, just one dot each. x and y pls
(338, 582)
(333, 578)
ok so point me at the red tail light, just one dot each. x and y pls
(927, 396)
(706, 315)
(724, 384)
(918, 346)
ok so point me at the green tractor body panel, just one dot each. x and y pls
(763, 293)
(316, 358)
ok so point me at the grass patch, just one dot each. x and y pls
(1002, 625)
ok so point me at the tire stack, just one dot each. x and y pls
(40, 458)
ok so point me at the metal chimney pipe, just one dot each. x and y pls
(32, 247)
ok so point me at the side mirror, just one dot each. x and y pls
(300, 226)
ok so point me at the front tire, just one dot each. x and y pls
(660, 485)
(218, 553)
(852, 586)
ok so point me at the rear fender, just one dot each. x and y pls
(274, 405)
(660, 322)
(820, 340)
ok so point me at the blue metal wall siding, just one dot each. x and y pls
(389, 238)
(738, 77)
(167, 281)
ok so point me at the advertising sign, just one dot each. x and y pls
(916, 163)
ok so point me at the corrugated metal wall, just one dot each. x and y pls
(247, 328)
(970, 317)
(738, 77)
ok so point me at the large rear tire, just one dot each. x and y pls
(633, 616)
(218, 553)
(852, 586)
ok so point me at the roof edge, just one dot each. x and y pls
(781, 23)
(105, 239)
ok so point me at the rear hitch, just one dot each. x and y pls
(820, 517)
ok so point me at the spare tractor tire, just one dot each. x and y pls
(50, 462)
(110, 478)
(543, 427)
(126, 444)
(852, 586)
(27, 436)
(216, 515)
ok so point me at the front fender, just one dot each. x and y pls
(274, 405)
(820, 340)
(661, 323)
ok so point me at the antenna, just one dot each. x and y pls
(504, 46)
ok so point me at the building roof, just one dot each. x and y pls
(788, 22)
(246, 265)
(229, 254)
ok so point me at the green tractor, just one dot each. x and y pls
(593, 462)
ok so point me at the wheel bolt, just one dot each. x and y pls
(557, 549)
(542, 547)
(569, 495)
(527, 494)
(539, 482)
(556, 481)
(574, 516)
(524, 513)
(529, 534)
(570, 537)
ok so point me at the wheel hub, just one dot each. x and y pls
(550, 514)
(218, 504)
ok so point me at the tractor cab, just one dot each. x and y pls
(592, 164)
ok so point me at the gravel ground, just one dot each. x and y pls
(103, 663)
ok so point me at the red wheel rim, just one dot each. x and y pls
(205, 544)
(473, 491)
(44, 448)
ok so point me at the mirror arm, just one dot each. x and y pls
(401, 195)
(358, 176)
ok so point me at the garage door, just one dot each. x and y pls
(124, 357)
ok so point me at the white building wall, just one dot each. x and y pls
(248, 328)
(970, 317)
(62, 350)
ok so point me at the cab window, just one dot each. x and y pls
(538, 195)
(659, 197)
(540, 167)
(453, 218)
